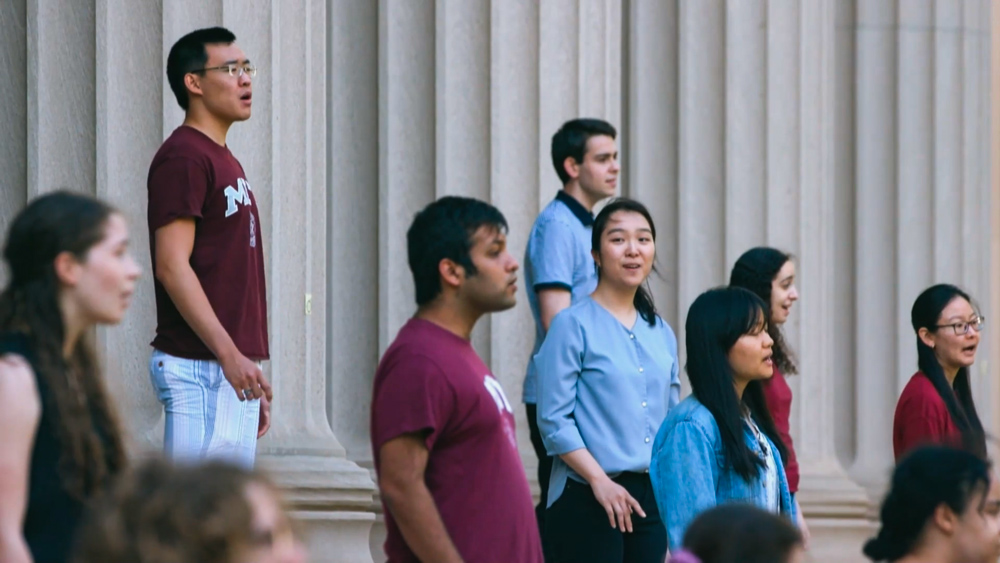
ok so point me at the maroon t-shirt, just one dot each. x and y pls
(432, 380)
(922, 418)
(194, 177)
(778, 396)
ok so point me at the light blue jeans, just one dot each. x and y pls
(204, 419)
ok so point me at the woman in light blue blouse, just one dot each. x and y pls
(720, 445)
(607, 374)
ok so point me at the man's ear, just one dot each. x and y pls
(67, 268)
(452, 273)
(572, 167)
(193, 84)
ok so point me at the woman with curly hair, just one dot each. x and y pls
(70, 269)
(208, 513)
(770, 273)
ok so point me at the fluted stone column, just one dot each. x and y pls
(834, 505)
(652, 58)
(126, 134)
(61, 88)
(13, 121)
(876, 245)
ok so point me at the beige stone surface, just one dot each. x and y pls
(854, 133)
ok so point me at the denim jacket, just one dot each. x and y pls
(689, 474)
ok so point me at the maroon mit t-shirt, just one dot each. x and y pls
(432, 380)
(192, 176)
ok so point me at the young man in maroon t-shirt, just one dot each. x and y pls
(208, 262)
(450, 475)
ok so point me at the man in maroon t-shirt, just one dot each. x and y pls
(450, 475)
(208, 261)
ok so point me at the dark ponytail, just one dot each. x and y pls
(643, 299)
(925, 314)
(925, 479)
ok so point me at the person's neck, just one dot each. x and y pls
(950, 373)
(576, 192)
(213, 128)
(928, 553)
(620, 302)
(450, 315)
(741, 386)
(73, 328)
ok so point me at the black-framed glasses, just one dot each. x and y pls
(963, 327)
(233, 69)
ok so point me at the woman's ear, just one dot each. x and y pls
(67, 268)
(945, 519)
(927, 337)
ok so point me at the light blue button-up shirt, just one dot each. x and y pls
(557, 257)
(604, 387)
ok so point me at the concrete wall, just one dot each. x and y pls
(855, 134)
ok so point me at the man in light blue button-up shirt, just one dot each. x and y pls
(558, 268)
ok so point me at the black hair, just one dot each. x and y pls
(570, 141)
(925, 479)
(189, 55)
(752, 535)
(445, 230)
(926, 313)
(715, 321)
(643, 299)
(755, 270)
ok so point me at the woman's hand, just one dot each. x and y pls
(616, 502)
(803, 527)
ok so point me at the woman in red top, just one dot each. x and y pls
(936, 406)
(770, 273)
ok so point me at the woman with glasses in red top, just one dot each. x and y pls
(936, 406)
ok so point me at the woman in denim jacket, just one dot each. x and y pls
(720, 445)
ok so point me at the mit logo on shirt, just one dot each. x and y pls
(496, 391)
(235, 196)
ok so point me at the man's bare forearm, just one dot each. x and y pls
(420, 522)
(184, 289)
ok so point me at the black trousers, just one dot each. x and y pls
(544, 471)
(578, 531)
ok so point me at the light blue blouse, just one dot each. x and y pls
(604, 387)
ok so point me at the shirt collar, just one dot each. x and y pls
(585, 217)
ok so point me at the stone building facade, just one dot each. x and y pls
(854, 133)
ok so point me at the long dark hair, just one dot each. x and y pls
(88, 430)
(755, 270)
(715, 321)
(925, 479)
(752, 535)
(643, 299)
(926, 313)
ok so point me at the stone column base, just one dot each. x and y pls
(331, 498)
(837, 512)
(837, 540)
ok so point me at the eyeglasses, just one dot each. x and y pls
(963, 328)
(233, 69)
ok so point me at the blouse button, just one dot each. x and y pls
(647, 439)
(632, 336)
(640, 370)
(644, 404)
